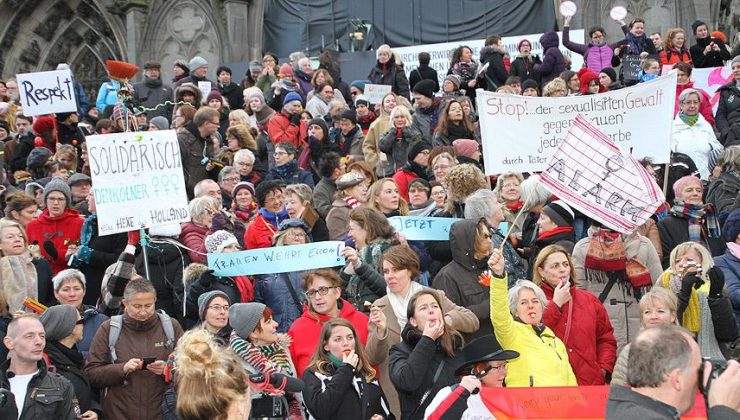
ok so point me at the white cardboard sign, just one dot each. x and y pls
(47, 92)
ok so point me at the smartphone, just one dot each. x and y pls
(148, 360)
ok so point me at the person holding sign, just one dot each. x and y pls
(518, 325)
(389, 72)
(577, 317)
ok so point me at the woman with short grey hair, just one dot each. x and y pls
(693, 135)
(194, 232)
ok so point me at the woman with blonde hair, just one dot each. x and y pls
(657, 307)
(201, 364)
(237, 137)
(298, 205)
(388, 70)
(66, 154)
(399, 139)
(239, 116)
(385, 197)
(461, 181)
(340, 383)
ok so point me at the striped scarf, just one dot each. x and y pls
(697, 215)
(267, 359)
(351, 201)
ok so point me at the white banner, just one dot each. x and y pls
(591, 174)
(442, 52)
(520, 133)
(709, 80)
(137, 180)
(47, 92)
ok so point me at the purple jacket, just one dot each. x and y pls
(553, 62)
(596, 56)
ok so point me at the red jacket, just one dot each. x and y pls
(194, 237)
(591, 343)
(63, 230)
(403, 177)
(676, 56)
(305, 333)
(705, 107)
(259, 233)
(280, 130)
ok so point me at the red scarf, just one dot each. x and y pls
(514, 208)
(553, 232)
(246, 289)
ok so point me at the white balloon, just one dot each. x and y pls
(568, 8)
(618, 13)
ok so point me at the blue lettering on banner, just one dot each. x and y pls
(416, 228)
(283, 259)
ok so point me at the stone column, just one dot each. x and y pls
(136, 16)
(254, 26)
(236, 13)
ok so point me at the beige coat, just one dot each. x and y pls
(377, 347)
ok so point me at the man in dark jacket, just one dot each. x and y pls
(68, 131)
(664, 364)
(708, 51)
(198, 72)
(196, 143)
(39, 393)
(493, 55)
(229, 90)
(424, 72)
(133, 376)
(152, 93)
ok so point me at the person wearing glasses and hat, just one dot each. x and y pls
(483, 367)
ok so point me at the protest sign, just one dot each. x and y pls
(592, 175)
(205, 88)
(708, 79)
(137, 180)
(520, 133)
(281, 259)
(47, 92)
(375, 93)
(632, 65)
(416, 228)
(441, 53)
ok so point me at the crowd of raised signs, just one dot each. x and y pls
(527, 291)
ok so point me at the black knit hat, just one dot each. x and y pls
(530, 83)
(610, 72)
(731, 228)
(425, 87)
(265, 187)
(349, 114)
(417, 148)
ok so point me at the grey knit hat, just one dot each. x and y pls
(244, 317)
(59, 321)
(197, 62)
(160, 122)
(58, 184)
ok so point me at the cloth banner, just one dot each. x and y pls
(137, 180)
(442, 52)
(281, 259)
(555, 403)
(591, 174)
(520, 133)
(47, 92)
(423, 228)
(709, 80)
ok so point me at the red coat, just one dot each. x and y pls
(705, 107)
(403, 177)
(279, 130)
(194, 237)
(63, 230)
(305, 333)
(591, 343)
(676, 56)
(259, 233)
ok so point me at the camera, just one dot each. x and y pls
(718, 366)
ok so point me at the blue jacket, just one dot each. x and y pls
(91, 321)
(730, 266)
(272, 290)
(82, 104)
(107, 96)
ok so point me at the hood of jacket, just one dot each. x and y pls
(549, 40)
(188, 87)
(67, 214)
(462, 243)
(487, 52)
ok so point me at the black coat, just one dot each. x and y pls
(724, 192)
(390, 74)
(674, 231)
(22, 150)
(106, 250)
(342, 395)
(713, 58)
(413, 363)
(524, 68)
(233, 94)
(43, 281)
(727, 117)
(55, 403)
(166, 265)
(496, 73)
(206, 283)
(422, 73)
(68, 363)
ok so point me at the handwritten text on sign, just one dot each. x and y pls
(281, 259)
(137, 180)
(375, 93)
(423, 228)
(520, 133)
(591, 174)
(47, 92)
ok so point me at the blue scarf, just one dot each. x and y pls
(287, 170)
(84, 252)
(274, 218)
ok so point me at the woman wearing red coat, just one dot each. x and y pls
(57, 230)
(271, 200)
(577, 317)
(193, 234)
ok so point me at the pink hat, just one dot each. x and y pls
(465, 147)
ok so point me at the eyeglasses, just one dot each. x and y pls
(321, 291)
(424, 152)
(219, 308)
(440, 167)
(499, 367)
(690, 102)
(439, 193)
(297, 235)
(279, 153)
(510, 185)
(56, 199)
(232, 179)
(245, 164)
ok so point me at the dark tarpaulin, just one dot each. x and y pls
(296, 25)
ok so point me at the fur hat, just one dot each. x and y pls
(255, 65)
(292, 96)
(58, 184)
(59, 321)
(205, 299)
(425, 87)
(244, 317)
(218, 240)
(560, 213)
(197, 62)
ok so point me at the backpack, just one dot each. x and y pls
(116, 323)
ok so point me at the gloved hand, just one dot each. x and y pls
(690, 280)
(312, 140)
(51, 249)
(295, 119)
(716, 282)
(134, 237)
(207, 278)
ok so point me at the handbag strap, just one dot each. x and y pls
(608, 288)
(429, 390)
(293, 293)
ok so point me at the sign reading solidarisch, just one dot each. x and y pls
(47, 92)
(592, 175)
(281, 259)
(440, 53)
(137, 180)
(520, 133)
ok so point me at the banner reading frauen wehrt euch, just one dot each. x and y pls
(137, 180)
(280, 259)
(520, 133)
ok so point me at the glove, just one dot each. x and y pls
(716, 282)
(134, 237)
(51, 249)
(295, 119)
(207, 278)
(312, 140)
(690, 280)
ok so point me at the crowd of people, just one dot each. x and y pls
(527, 291)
